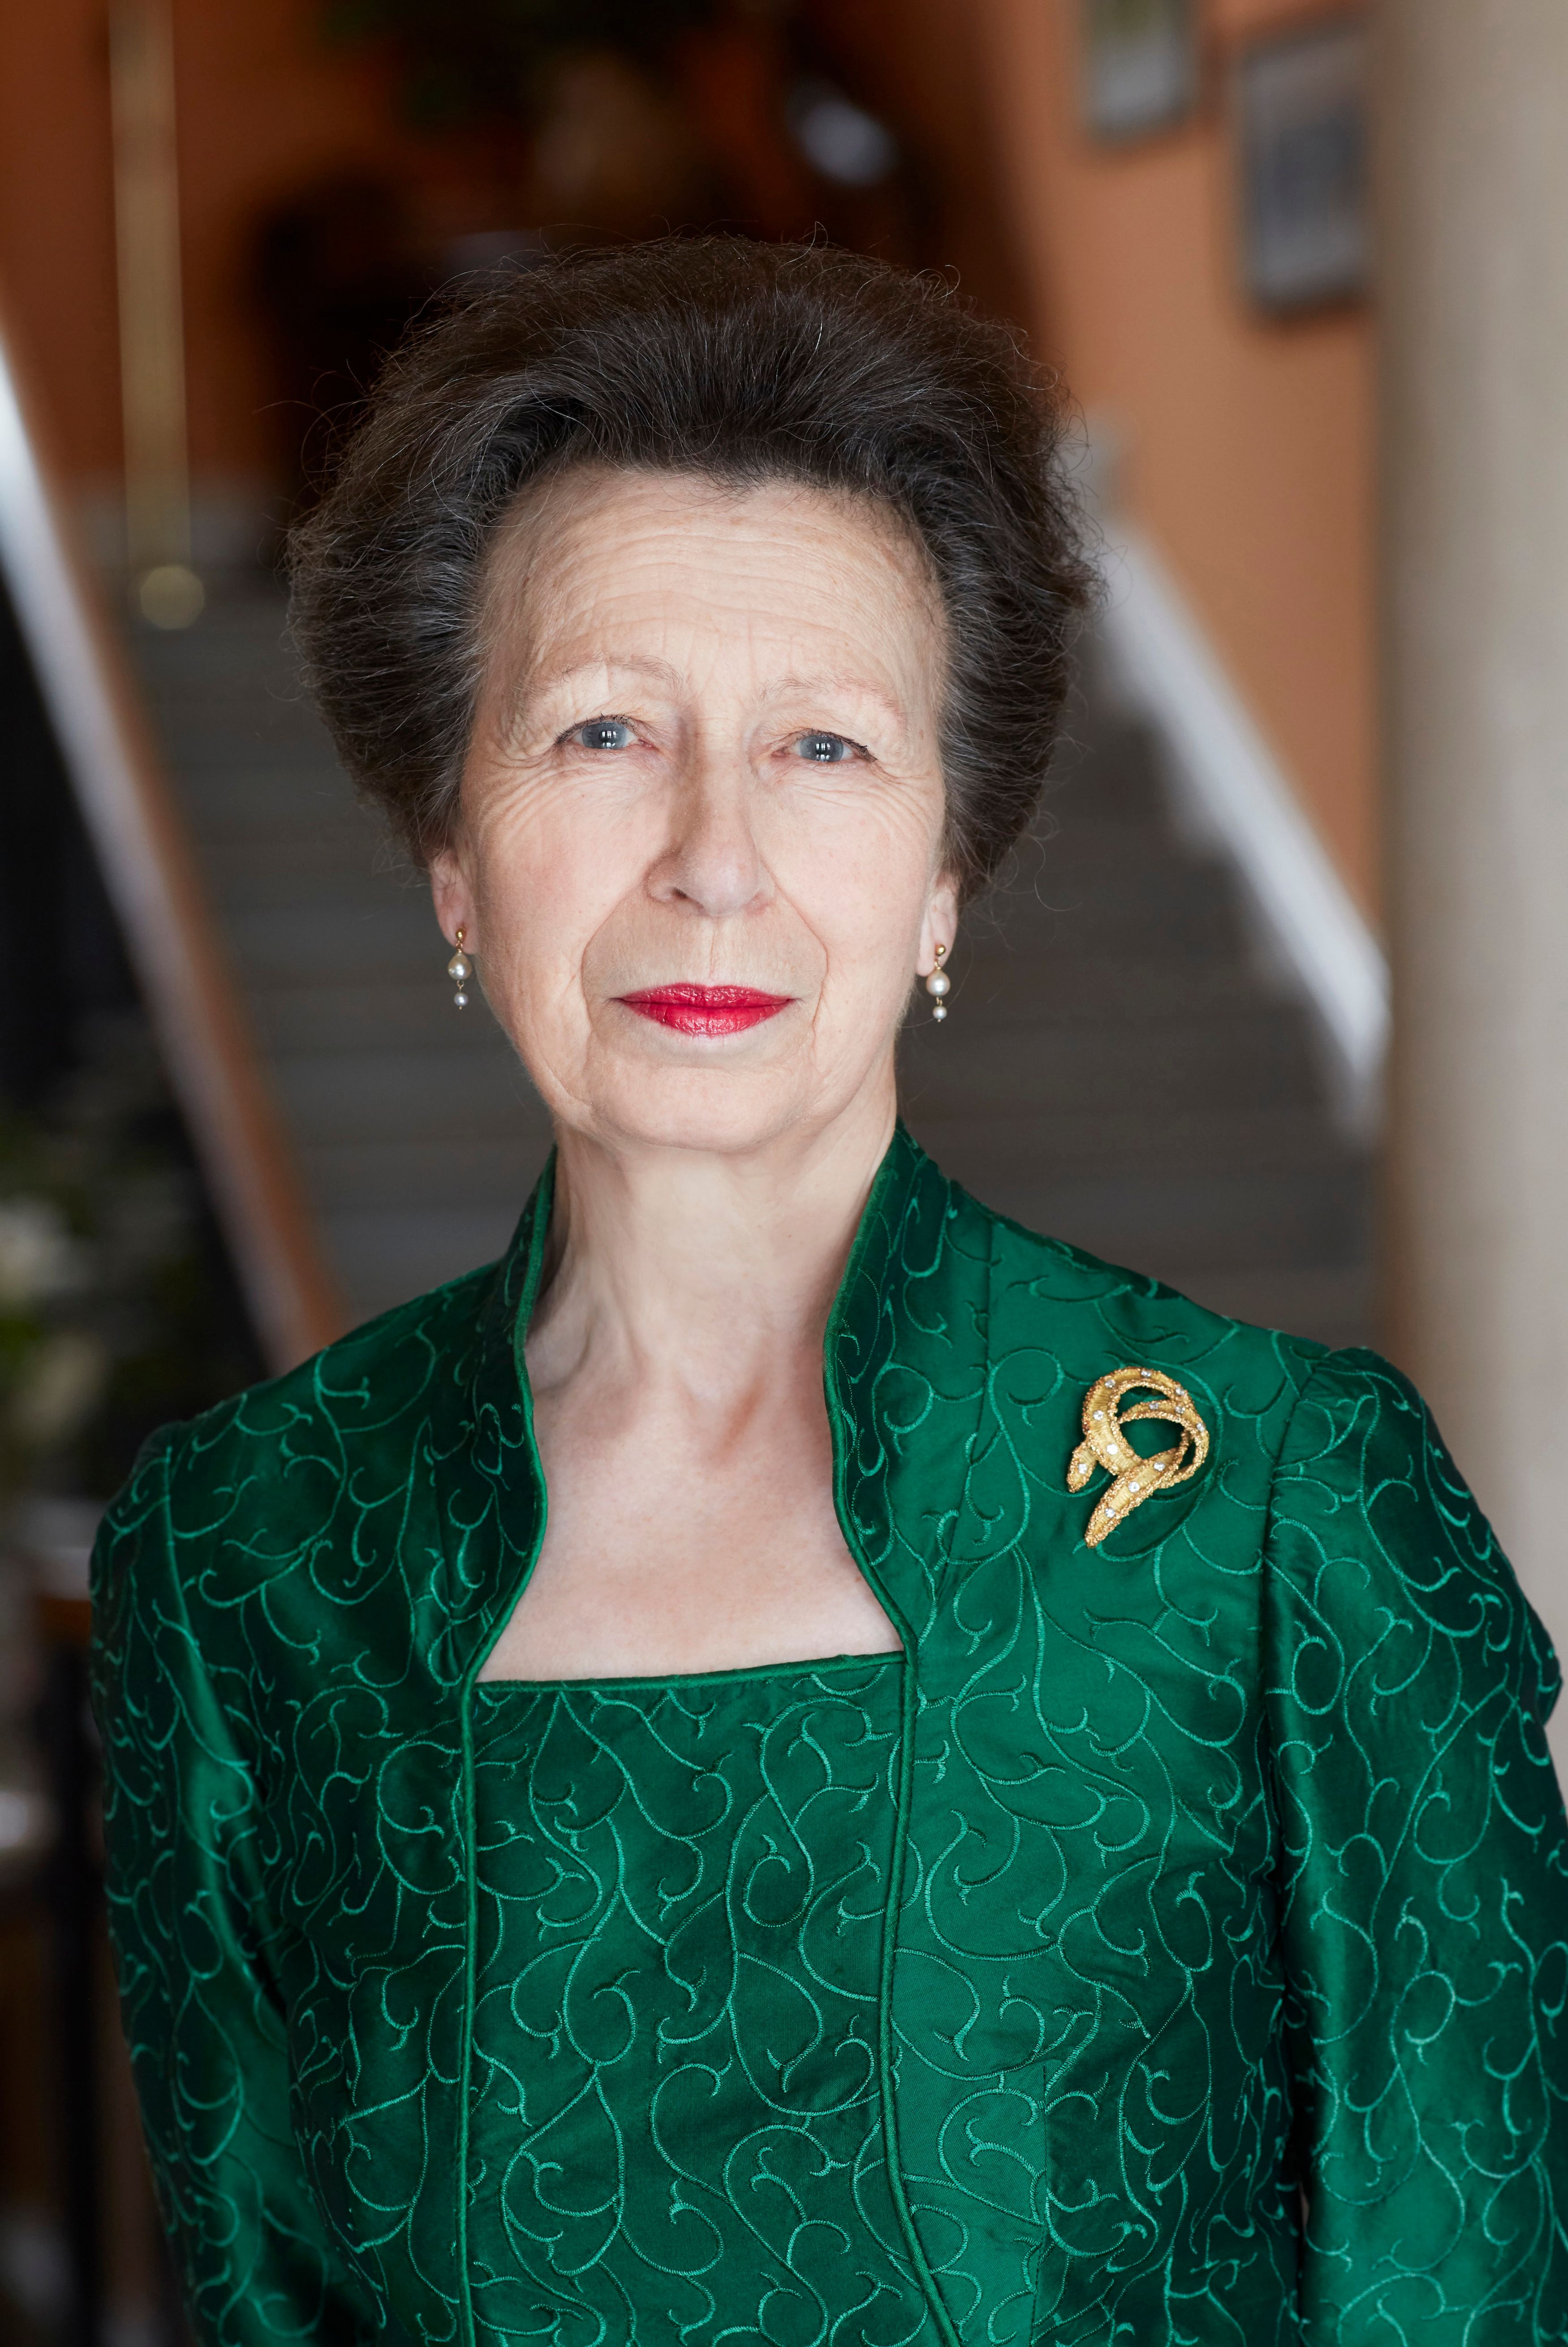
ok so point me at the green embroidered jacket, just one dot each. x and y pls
(1226, 1946)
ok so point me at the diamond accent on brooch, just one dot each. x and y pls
(1135, 1478)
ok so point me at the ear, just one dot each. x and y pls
(940, 926)
(453, 898)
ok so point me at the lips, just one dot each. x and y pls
(706, 1009)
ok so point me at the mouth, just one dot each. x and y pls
(706, 1009)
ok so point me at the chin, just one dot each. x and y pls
(722, 1112)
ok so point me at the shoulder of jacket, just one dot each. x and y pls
(386, 1375)
(1100, 1316)
(1354, 1395)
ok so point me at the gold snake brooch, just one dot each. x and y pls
(1135, 1479)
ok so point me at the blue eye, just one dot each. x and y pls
(603, 733)
(824, 749)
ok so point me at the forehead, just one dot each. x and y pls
(594, 556)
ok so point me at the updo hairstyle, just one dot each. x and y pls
(741, 362)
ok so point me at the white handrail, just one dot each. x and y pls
(151, 874)
(1164, 662)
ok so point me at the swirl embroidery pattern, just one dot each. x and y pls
(1225, 1868)
(681, 1888)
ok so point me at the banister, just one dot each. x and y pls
(149, 871)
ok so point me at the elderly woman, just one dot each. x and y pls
(793, 1762)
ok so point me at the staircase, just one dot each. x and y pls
(417, 1132)
(1116, 1068)
(1120, 1068)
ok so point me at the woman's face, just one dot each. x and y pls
(704, 758)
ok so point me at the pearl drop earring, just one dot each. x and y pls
(460, 970)
(937, 986)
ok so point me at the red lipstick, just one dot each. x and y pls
(706, 1009)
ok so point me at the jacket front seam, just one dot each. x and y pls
(924, 2277)
(543, 1201)
(470, 1985)
(890, 1920)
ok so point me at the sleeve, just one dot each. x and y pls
(202, 2016)
(1424, 1887)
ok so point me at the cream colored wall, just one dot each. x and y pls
(1475, 195)
(1247, 444)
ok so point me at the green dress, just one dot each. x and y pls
(680, 1892)
(1219, 1992)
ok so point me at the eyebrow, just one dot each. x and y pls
(533, 683)
(530, 683)
(635, 664)
(831, 684)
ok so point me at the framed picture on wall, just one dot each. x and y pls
(1140, 65)
(1301, 106)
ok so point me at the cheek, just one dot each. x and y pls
(550, 874)
(859, 872)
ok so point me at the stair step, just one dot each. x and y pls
(320, 945)
(375, 1095)
(382, 1258)
(1262, 1058)
(980, 1149)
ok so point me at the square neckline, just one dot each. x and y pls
(795, 1668)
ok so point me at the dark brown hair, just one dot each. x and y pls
(744, 362)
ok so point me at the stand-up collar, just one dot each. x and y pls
(889, 1306)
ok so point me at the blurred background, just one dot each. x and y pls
(1271, 1003)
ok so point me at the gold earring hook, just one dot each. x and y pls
(460, 970)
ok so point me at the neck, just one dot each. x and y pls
(710, 1269)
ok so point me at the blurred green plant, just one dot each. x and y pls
(114, 1314)
(466, 60)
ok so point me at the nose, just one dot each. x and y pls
(713, 862)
